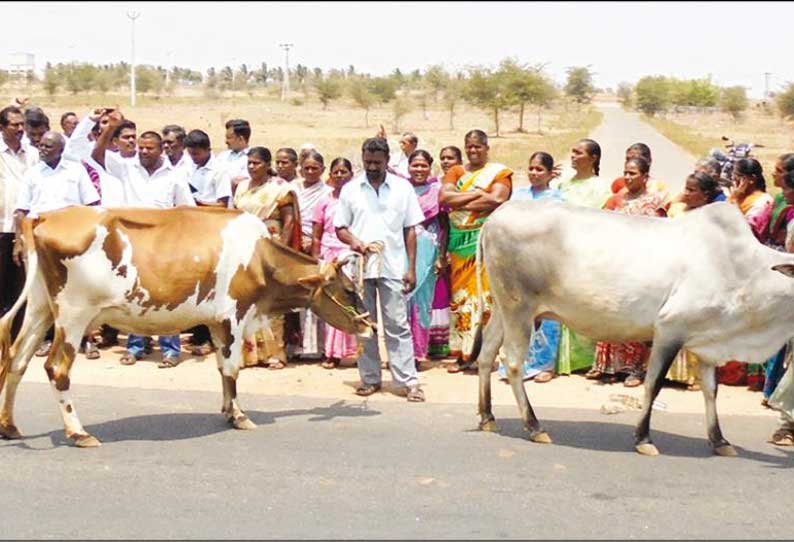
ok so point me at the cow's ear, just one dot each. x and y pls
(785, 268)
(312, 281)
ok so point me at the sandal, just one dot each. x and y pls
(365, 390)
(593, 374)
(632, 381)
(784, 436)
(415, 395)
(169, 362)
(128, 359)
(543, 377)
(276, 365)
(91, 351)
(330, 363)
(44, 349)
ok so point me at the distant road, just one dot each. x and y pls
(621, 129)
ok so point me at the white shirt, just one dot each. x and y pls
(13, 166)
(399, 163)
(185, 163)
(112, 190)
(166, 187)
(380, 216)
(78, 146)
(235, 162)
(210, 182)
(47, 189)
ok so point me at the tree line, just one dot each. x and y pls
(509, 86)
(659, 94)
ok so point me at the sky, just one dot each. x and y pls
(734, 42)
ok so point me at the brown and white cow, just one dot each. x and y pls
(159, 271)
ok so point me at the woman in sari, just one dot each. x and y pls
(287, 164)
(472, 192)
(749, 193)
(700, 189)
(781, 237)
(327, 247)
(304, 337)
(587, 189)
(654, 185)
(430, 248)
(440, 346)
(542, 354)
(275, 202)
(628, 358)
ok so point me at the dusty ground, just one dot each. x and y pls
(308, 379)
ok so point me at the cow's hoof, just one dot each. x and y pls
(243, 423)
(646, 449)
(489, 426)
(10, 432)
(86, 441)
(541, 437)
(726, 450)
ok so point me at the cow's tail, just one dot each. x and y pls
(7, 321)
(478, 271)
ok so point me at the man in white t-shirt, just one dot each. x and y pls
(52, 184)
(378, 206)
(148, 180)
(235, 158)
(174, 147)
(210, 181)
(16, 158)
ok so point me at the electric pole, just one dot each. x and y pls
(285, 83)
(132, 15)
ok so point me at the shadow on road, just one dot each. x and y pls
(184, 426)
(619, 437)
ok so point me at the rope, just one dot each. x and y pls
(375, 249)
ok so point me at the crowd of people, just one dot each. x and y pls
(416, 223)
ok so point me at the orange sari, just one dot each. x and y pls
(464, 232)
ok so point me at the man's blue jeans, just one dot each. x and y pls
(169, 345)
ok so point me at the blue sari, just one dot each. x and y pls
(545, 346)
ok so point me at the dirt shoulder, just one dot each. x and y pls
(310, 380)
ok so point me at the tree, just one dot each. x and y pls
(51, 80)
(452, 92)
(734, 101)
(362, 96)
(327, 89)
(383, 88)
(785, 102)
(436, 79)
(525, 85)
(652, 94)
(625, 94)
(486, 89)
(579, 85)
(400, 107)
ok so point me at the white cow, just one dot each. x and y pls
(700, 282)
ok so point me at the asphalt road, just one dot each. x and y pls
(620, 129)
(323, 468)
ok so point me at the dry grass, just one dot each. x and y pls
(699, 132)
(340, 130)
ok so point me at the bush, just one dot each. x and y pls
(785, 102)
(652, 95)
(734, 101)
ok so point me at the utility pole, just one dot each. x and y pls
(767, 75)
(132, 15)
(285, 83)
